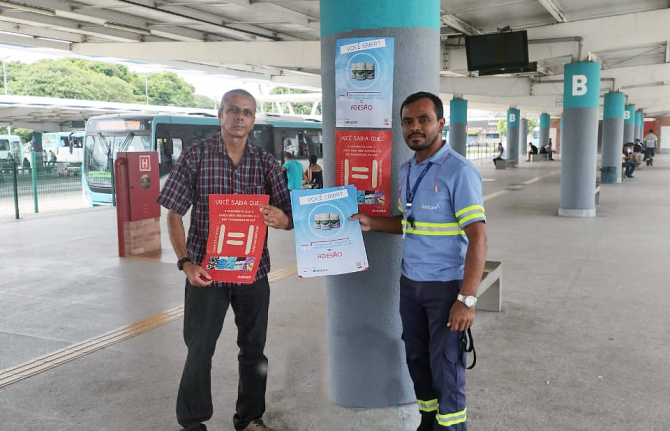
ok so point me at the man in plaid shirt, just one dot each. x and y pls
(225, 164)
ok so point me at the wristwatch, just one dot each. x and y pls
(469, 301)
(182, 261)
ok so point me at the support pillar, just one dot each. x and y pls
(513, 121)
(523, 138)
(613, 125)
(628, 125)
(458, 122)
(545, 121)
(638, 124)
(366, 356)
(581, 95)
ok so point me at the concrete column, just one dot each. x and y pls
(628, 125)
(366, 356)
(545, 121)
(523, 138)
(458, 122)
(613, 119)
(579, 154)
(638, 122)
(513, 121)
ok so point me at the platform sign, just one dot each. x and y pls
(363, 159)
(236, 237)
(326, 241)
(364, 82)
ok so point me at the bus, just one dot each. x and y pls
(11, 148)
(67, 147)
(169, 135)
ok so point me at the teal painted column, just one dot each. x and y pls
(628, 125)
(513, 121)
(366, 355)
(638, 124)
(523, 138)
(458, 123)
(613, 125)
(545, 122)
(579, 149)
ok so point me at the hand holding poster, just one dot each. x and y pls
(326, 241)
(236, 237)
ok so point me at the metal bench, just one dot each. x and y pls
(489, 294)
(597, 193)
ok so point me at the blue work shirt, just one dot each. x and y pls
(448, 198)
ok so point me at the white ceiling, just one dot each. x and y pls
(622, 34)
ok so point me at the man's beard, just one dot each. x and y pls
(418, 147)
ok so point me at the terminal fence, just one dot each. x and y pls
(481, 151)
(29, 190)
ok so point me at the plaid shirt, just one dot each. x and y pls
(205, 169)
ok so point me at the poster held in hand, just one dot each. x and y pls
(326, 241)
(236, 237)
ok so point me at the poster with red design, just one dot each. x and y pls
(363, 159)
(236, 237)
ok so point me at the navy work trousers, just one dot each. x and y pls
(204, 311)
(434, 354)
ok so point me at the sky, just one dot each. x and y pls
(207, 84)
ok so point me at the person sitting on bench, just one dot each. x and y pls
(532, 149)
(501, 150)
(628, 160)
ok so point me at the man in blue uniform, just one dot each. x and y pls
(444, 252)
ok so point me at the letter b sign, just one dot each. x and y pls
(626, 115)
(579, 85)
(512, 118)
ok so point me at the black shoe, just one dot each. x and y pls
(629, 176)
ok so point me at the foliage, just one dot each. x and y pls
(94, 80)
(502, 127)
(25, 134)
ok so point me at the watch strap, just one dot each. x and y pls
(182, 261)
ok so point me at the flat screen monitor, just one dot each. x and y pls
(497, 50)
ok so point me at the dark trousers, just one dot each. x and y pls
(433, 352)
(204, 312)
(649, 155)
(630, 168)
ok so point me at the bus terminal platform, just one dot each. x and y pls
(581, 342)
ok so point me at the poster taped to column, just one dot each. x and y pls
(364, 82)
(326, 241)
(236, 237)
(363, 159)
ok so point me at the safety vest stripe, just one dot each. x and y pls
(418, 232)
(427, 406)
(471, 216)
(468, 209)
(427, 224)
(452, 418)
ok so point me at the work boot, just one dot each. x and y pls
(257, 425)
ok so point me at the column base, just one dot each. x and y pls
(610, 178)
(576, 212)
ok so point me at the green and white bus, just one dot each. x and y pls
(106, 135)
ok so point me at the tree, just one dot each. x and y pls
(65, 79)
(502, 127)
(205, 102)
(168, 89)
(26, 135)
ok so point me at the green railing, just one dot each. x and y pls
(26, 191)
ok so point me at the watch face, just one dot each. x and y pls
(470, 301)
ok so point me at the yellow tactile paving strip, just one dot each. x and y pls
(75, 351)
(78, 350)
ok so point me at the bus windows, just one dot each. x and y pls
(260, 136)
(4, 145)
(169, 150)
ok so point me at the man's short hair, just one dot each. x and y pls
(651, 130)
(288, 155)
(237, 91)
(439, 109)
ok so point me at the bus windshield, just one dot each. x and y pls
(101, 150)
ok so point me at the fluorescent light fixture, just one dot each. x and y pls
(28, 8)
(124, 27)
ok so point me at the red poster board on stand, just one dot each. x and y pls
(236, 237)
(363, 159)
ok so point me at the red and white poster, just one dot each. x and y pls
(236, 237)
(363, 159)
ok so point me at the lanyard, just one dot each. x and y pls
(409, 194)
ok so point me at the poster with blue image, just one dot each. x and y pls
(364, 82)
(326, 241)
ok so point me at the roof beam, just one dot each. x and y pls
(554, 9)
(463, 26)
